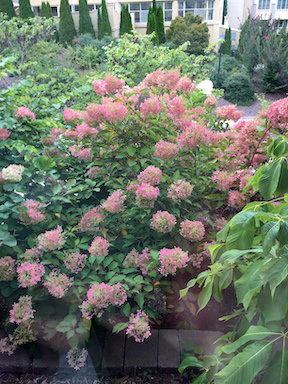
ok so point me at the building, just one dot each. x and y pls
(272, 9)
(210, 10)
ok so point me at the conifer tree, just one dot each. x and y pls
(125, 20)
(155, 23)
(226, 47)
(49, 10)
(43, 9)
(160, 25)
(105, 27)
(99, 22)
(225, 11)
(6, 6)
(85, 23)
(67, 30)
(25, 9)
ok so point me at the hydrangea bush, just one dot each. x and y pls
(100, 207)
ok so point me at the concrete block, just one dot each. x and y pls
(140, 357)
(113, 353)
(47, 361)
(168, 351)
(19, 362)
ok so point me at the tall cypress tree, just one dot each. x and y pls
(49, 10)
(226, 47)
(160, 25)
(6, 6)
(155, 23)
(85, 23)
(105, 28)
(43, 9)
(99, 22)
(67, 30)
(125, 20)
(129, 20)
(25, 9)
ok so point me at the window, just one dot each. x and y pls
(203, 8)
(36, 11)
(167, 10)
(264, 4)
(75, 8)
(282, 4)
(55, 11)
(92, 7)
(140, 10)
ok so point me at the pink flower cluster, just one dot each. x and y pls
(4, 134)
(99, 247)
(277, 114)
(76, 358)
(29, 274)
(192, 137)
(211, 101)
(197, 258)
(192, 230)
(58, 283)
(72, 116)
(185, 85)
(33, 214)
(93, 172)
(163, 221)
(151, 175)
(228, 112)
(110, 84)
(136, 260)
(237, 200)
(151, 106)
(171, 259)
(179, 190)
(146, 195)
(220, 223)
(165, 151)
(75, 261)
(81, 132)
(13, 173)
(176, 107)
(22, 310)
(109, 111)
(114, 203)
(32, 255)
(100, 296)
(224, 179)
(21, 335)
(51, 240)
(81, 153)
(7, 268)
(168, 80)
(22, 112)
(139, 326)
(91, 221)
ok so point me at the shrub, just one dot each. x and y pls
(239, 89)
(125, 20)
(227, 66)
(226, 47)
(86, 57)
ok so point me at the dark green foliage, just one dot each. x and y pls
(25, 9)
(155, 23)
(189, 28)
(46, 10)
(85, 23)
(125, 20)
(99, 21)
(228, 65)
(43, 9)
(239, 89)
(226, 47)
(105, 26)
(160, 25)
(67, 29)
(6, 6)
(225, 11)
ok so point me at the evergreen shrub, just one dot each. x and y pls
(239, 88)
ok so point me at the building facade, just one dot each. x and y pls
(210, 10)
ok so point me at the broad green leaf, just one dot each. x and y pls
(189, 361)
(282, 186)
(43, 162)
(277, 371)
(277, 273)
(269, 180)
(225, 278)
(283, 233)
(205, 294)
(131, 150)
(7, 239)
(278, 147)
(274, 309)
(253, 333)
(242, 230)
(249, 283)
(119, 327)
(245, 366)
(234, 254)
(140, 300)
(269, 233)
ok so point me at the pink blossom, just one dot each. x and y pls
(159, 79)
(139, 326)
(51, 240)
(228, 112)
(220, 223)
(22, 112)
(29, 274)
(185, 84)
(7, 268)
(100, 87)
(144, 260)
(165, 151)
(211, 101)
(93, 172)
(76, 358)
(110, 84)
(95, 114)
(33, 214)
(114, 203)
(163, 221)
(32, 255)
(237, 200)
(92, 220)
(151, 106)
(115, 112)
(277, 114)
(171, 259)
(81, 153)
(58, 283)
(176, 107)
(192, 230)
(192, 137)
(146, 195)
(13, 173)
(151, 175)
(132, 259)
(4, 134)
(75, 261)
(22, 310)
(224, 179)
(99, 247)
(81, 132)
(179, 190)
(72, 116)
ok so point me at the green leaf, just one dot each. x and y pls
(189, 361)
(253, 333)
(7, 239)
(144, 151)
(205, 294)
(242, 230)
(234, 254)
(119, 327)
(70, 183)
(249, 283)
(274, 309)
(277, 371)
(140, 300)
(277, 273)
(131, 150)
(269, 180)
(269, 232)
(245, 366)
(57, 189)
(44, 163)
(282, 186)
